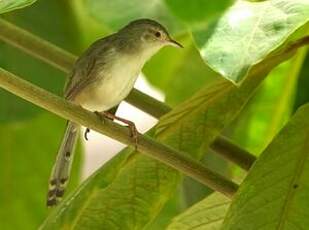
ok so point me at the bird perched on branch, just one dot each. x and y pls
(101, 78)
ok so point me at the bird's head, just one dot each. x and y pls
(148, 34)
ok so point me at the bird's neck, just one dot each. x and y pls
(146, 53)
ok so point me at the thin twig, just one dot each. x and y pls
(146, 145)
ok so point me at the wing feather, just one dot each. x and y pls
(87, 66)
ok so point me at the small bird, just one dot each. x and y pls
(101, 78)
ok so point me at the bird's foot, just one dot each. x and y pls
(130, 124)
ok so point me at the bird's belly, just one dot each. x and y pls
(109, 91)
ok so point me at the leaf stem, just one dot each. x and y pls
(64, 61)
(146, 145)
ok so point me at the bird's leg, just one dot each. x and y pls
(99, 114)
(86, 133)
(130, 124)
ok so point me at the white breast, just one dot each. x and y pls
(115, 87)
(116, 83)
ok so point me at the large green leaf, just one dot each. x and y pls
(248, 32)
(275, 193)
(136, 193)
(270, 108)
(206, 214)
(9, 5)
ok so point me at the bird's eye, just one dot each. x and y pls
(158, 34)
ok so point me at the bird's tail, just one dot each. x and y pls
(61, 169)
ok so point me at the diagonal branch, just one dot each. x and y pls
(146, 145)
(64, 61)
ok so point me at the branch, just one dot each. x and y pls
(64, 61)
(233, 152)
(36, 46)
(177, 160)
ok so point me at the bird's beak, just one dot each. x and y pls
(174, 43)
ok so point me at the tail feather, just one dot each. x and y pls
(61, 169)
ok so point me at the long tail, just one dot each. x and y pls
(61, 169)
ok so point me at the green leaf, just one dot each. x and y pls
(117, 13)
(275, 193)
(206, 214)
(9, 5)
(172, 208)
(140, 187)
(270, 108)
(248, 32)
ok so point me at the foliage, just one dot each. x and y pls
(240, 41)
(206, 214)
(277, 180)
(250, 31)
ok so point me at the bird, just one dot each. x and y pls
(101, 78)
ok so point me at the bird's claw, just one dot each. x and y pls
(86, 133)
(130, 124)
